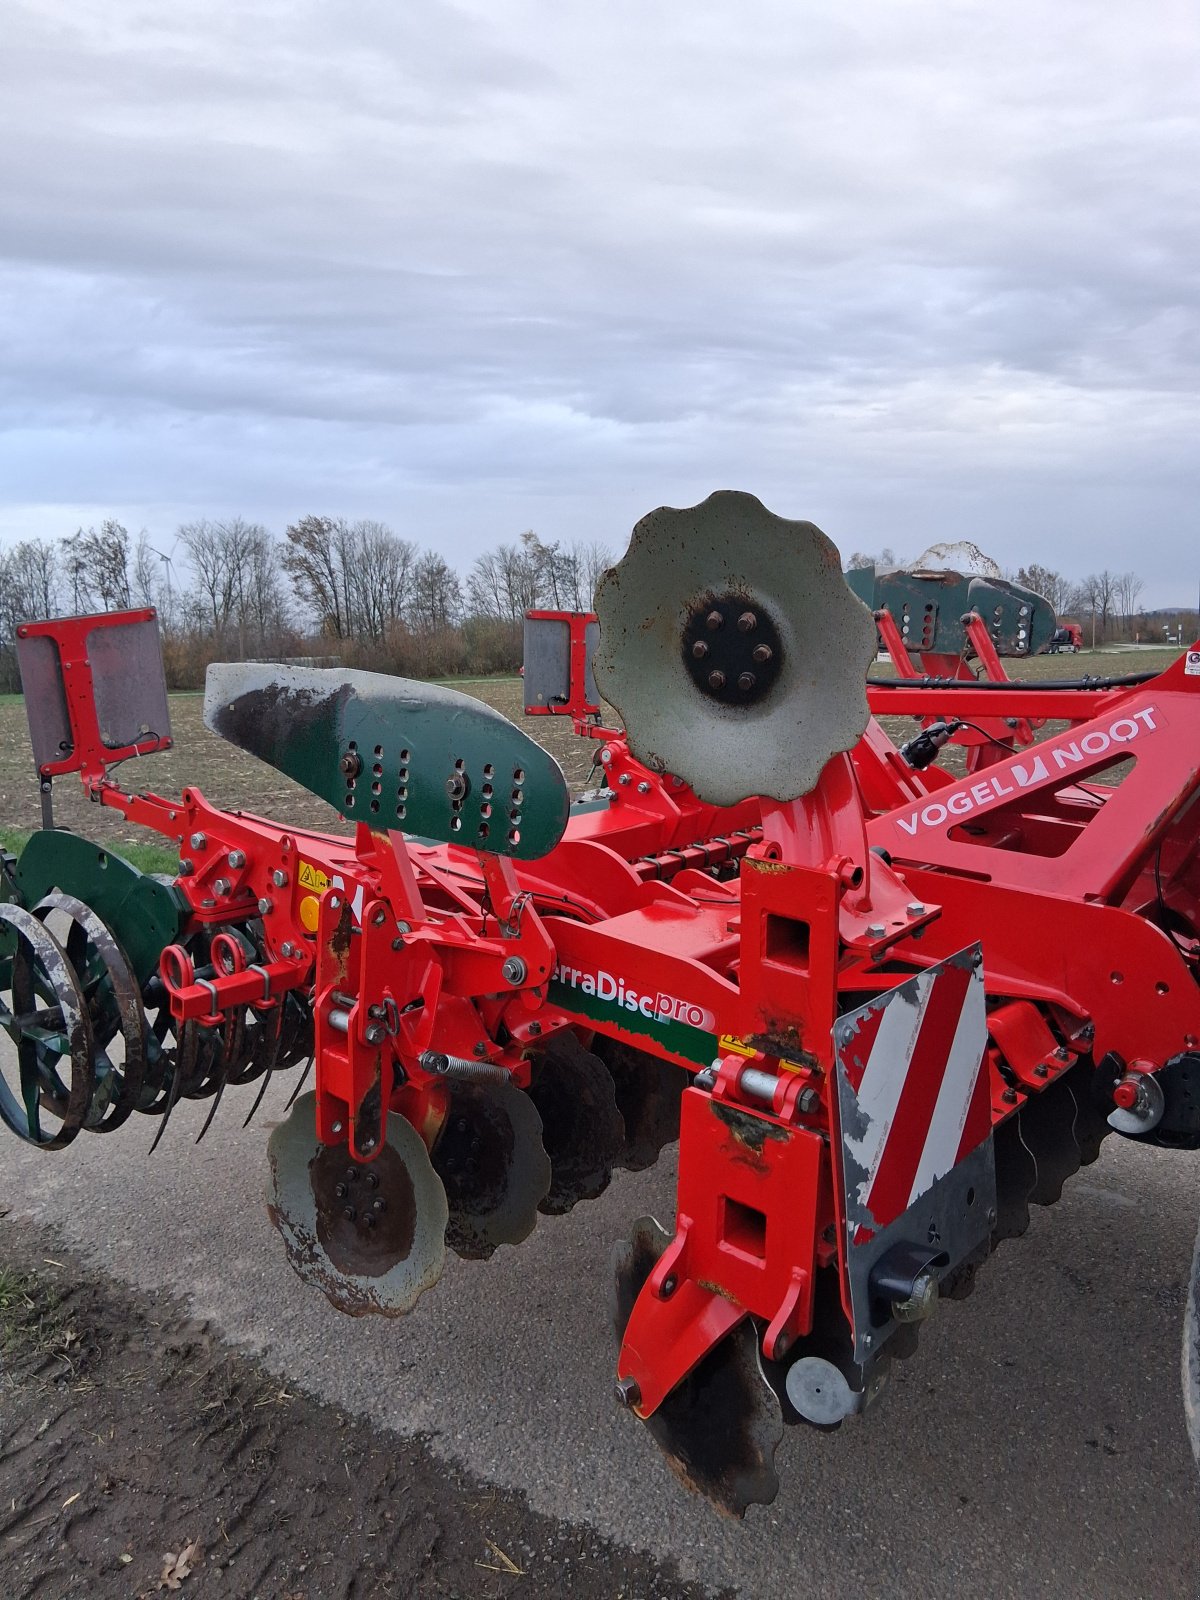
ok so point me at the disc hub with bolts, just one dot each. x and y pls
(731, 648)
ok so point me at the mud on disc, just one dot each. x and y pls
(369, 1235)
(718, 1428)
(490, 1158)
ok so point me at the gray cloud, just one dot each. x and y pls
(919, 271)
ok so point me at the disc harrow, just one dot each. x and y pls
(884, 998)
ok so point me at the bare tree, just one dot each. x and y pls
(97, 568)
(436, 601)
(380, 578)
(1128, 592)
(1052, 586)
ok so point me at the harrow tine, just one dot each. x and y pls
(300, 1085)
(185, 1055)
(273, 1021)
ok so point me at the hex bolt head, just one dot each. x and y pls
(746, 681)
(340, 1190)
(379, 1204)
(197, 841)
(628, 1392)
(625, 780)
(915, 908)
(713, 621)
(369, 1219)
(265, 905)
(716, 679)
(456, 786)
(236, 859)
(350, 765)
(747, 622)
(699, 650)
(186, 867)
(349, 1213)
(875, 930)
(643, 787)
(222, 885)
(807, 1100)
(1009, 1097)
(375, 1033)
(279, 878)
(479, 1048)
(762, 653)
(514, 970)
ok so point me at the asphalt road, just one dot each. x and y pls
(1034, 1447)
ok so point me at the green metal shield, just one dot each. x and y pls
(395, 753)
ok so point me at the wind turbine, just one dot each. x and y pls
(166, 561)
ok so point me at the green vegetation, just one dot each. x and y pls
(146, 857)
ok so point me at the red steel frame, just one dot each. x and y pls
(624, 929)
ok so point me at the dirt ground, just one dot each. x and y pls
(128, 1433)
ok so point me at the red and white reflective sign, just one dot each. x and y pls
(913, 1089)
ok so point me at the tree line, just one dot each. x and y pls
(351, 592)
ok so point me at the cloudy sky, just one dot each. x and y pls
(917, 271)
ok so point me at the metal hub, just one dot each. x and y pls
(731, 648)
(366, 1216)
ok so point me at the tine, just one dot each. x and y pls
(172, 1097)
(213, 1108)
(300, 1085)
(258, 1099)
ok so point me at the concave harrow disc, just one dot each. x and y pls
(582, 1129)
(370, 1236)
(648, 1094)
(490, 1157)
(720, 1427)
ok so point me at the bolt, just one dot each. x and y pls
(187, 867)
(624, 779)
(746, 682)
(807, 1100)
(747, 622)
(397, 944)
(403, 927)
(236, 858)
(643, 787)
(340, 1190)
(351, 1172)
(479, 1048)
(288, 950)
(378, 917)
(629, 1393)
(375, 1033)
(514, 970)
(369, 1219)
(699, 650)
(1063, 1053)
(349, 1213)
(279, 878)
(716, 680)
(371, 1179)
(222, 885)
(350, 765)
(669, 1285)
(1041, 1070)
(762, 653)
(379, 1204)
(713, 621)
(1009, 1097)
(875, 930)
(337, 1128)
(535, 1029)
(456, 786)
(265, 905)
(915, 908)
(197, 841)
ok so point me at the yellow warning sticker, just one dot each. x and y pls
(737, 1046)
(313, 878)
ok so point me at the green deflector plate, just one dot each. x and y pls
(395, 753)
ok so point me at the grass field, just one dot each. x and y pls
(234, 780)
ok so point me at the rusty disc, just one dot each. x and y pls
(369, 1235)
(490, 1157)
(720, 1427)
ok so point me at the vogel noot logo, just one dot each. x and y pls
(657, 1007)
(1038, 768)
